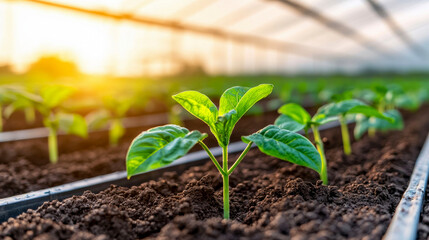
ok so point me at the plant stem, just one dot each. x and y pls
(371, 132)
(345, 135)
(319, 145)
(225, 196)
(1, 118)
(53, 145)
(30, 115)
(216, 163)
(243, 154)
(225, 183)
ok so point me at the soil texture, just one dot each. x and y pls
(25, 167)
(270, 198)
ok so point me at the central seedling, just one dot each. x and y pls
(160, 146)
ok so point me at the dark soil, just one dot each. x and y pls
(270, 199)
(17, 120)
(24, 165)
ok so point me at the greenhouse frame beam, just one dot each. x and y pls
(193, 8)
(334, 25)
(290, 48)
(282, 25)
(396, 29)
(238, 15)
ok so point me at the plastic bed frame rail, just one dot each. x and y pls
(129, 122)
(404, 224)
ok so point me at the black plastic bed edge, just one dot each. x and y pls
(15, 205)
(42, 132)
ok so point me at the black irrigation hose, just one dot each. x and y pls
(404, 224)
(129, 122)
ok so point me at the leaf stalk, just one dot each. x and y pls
(53, 145)
(216, 163)
(345, 135)
(243, 154)
(319, 145)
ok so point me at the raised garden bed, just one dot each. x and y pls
(25, 167)
(270, 199)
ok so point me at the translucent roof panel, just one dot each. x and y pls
(228, 36)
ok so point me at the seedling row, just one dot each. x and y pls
(375, 112)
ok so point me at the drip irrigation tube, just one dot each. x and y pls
(129, 122)
(404, 224)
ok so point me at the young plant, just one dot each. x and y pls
(6, 97)
(22, 101)
(160, 146)
(343, 109)
(111, 116)
(373, 124)
(385, 99)
(55, 119)
(295, 118)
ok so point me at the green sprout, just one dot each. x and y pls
(22, 101)
(295, 118)
(55, 119)
(385, 99)
(343, 109)
(162, 145)
(13, 98)
(6, 97)
(111, 116)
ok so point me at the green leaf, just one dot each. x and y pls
(72, 124)
(54, 95)
(286, 122)
(397, 124)
(6, 95)
(159, 146)
(118, 105)
(286, 145)
(296, 112)
(198, 105)
(251, 97)
(230, 99)
(20, 103)
(409, 102)
(98, 119)
(362, 126)
(223, 127)
(330, 112)
(369, 111)
(364, 123)
(234, 103)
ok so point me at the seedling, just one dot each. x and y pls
(373, 124)
(6, 97)
(295, 118)
(160, 146)
(22, 101)
(385, 100)
(111, 116)
(341, 110)
(54, 119)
